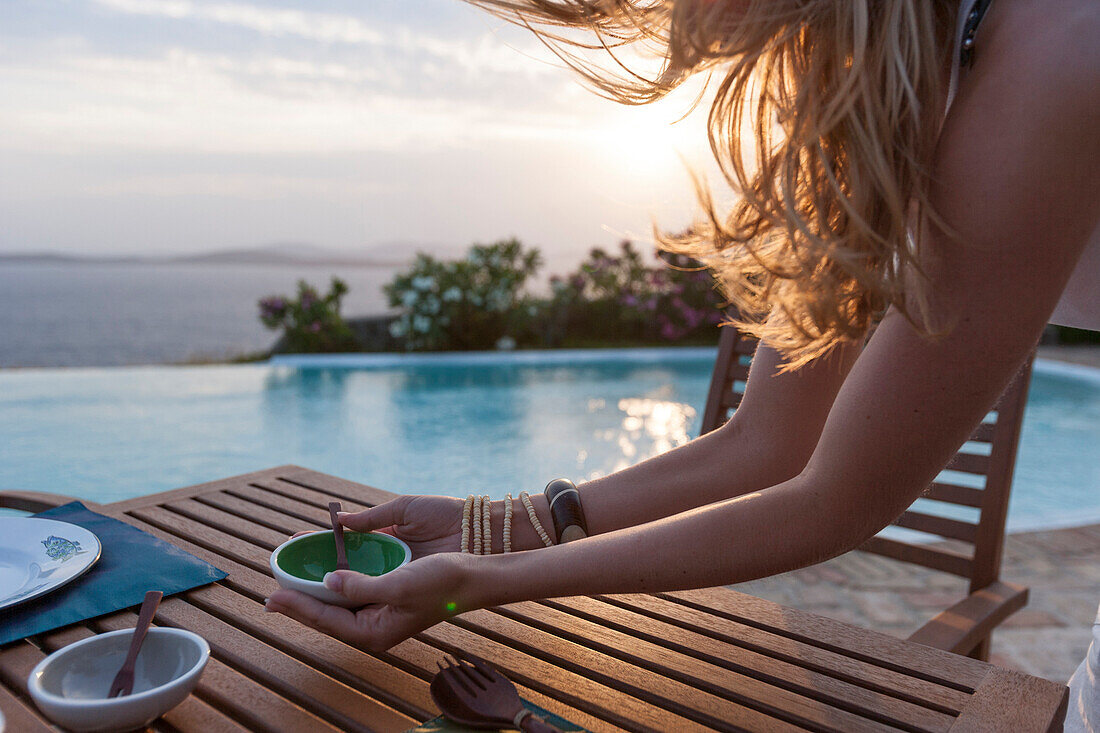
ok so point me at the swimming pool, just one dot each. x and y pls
(452, 424)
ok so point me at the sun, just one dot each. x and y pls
(655, 142)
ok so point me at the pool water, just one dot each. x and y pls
(487, 423)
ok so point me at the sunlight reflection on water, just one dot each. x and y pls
(648, 427)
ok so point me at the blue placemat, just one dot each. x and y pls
(132, 562)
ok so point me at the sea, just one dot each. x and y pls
(97, 314)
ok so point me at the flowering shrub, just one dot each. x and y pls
(619, 298)
(473, 303)
(310, 322)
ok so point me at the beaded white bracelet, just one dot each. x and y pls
(487, 529)
(526, 499)
(467, 507)
(476, 514)
(508, 523)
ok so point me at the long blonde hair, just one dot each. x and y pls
(823, 122)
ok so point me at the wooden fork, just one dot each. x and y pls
(488, 694)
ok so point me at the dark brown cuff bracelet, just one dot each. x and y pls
(565, 510)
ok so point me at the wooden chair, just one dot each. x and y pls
(990, 454)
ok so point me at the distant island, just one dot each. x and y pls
(391, 254)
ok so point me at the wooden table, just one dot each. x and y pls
(673, 661)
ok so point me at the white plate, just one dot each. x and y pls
(40, 555)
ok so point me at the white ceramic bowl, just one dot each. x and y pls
(362, 556)
(70, 686)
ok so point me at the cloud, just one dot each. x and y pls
(325, 27)
(306, 120)
(484, 55)
(184, 99)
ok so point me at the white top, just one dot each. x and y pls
(1079, 306)
(1083, 714)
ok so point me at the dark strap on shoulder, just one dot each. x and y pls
(970, 30)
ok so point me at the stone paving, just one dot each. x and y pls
(1048, 638)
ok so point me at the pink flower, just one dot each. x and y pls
(315, 327)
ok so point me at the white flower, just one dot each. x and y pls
(423, 282)
(431, 304)
(409, 298)
(422, 324)
(506, 343)
(452, 294)
(397, 329)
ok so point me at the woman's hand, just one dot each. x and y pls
(401, 603)
(428, 524)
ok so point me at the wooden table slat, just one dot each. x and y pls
(319, 499)
(220, 543)
(950, 670)
(288, 676)
(296, 510)
(422, 658)
(21, 715)
(272, 519)
(786, 650)
(243, 529)
(724, 669)
(338, 487)
(615, 706)
(347, 664)
(1008, 700)
(16, 662)
(717, 698)
(189, 491)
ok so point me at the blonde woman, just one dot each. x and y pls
(926, 169)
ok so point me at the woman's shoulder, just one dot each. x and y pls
(1037, 55)
(1057, 37)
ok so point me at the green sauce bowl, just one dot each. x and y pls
(301, 563)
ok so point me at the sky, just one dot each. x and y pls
(176, 126)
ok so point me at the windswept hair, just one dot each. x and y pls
(823, 122)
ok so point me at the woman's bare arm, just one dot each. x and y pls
(768, 440)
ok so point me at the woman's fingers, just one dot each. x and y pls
(366, 589)
(369, 628)
(384, 515)
(333, 620)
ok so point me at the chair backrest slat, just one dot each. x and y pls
(967, 503)
(934, 524)
(945, 561)
(953, 494)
